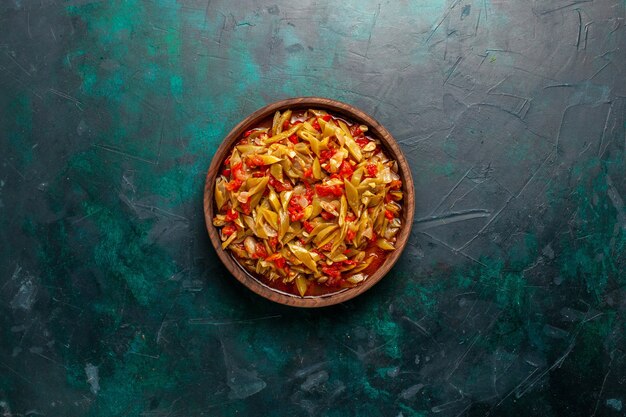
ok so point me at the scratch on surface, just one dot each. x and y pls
(421, 329)
(599, 71)
(592, 317)
(145, 355)
(453, 250)
(606, 124)
(556, 364)
(482, 229)
(362, 354)
(212, 322)
(34, 352)
(126, 154)
(617, 201)
(477, 22)
(585, 149)
(448, 405)
(157, 210)
(462, 357)
(206, 12)
(465, 194)
(15, 169)
(456, 64)
(507, 202)
(413, 141)
(219, 38)
(529, 180)
(523, 100)
(381, 96)
(573, 3)
(580, 27)
(16, 373)
(586, 34)
(446, 14)
(53, 35)
(558, 85)
(67, 97)
(448, 218)
(499, 83)
(18, 64)
(87, 216)
(130, 184)
(595, 409)
(516, 388)
(30, 35)
(369, 39)
(454, 187)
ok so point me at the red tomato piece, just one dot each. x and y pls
(332, 271)
(327, 216)
(346, 170)
(279, 186)
(273, 242)
(395, 184)
(350, 235)
(326, 155)
(355, 130)
(362, 141)
(255, 161)
(308, 226)
(234, 185)
(327, 117)
(229, 229)
(231, 215)
(238, 171)
(316, 125)
(372, 170)
(296, 211)
(308, 194)
(328, 190)
(260, 252)
(245, 207)
(389, 215)
(280, 262)
(327, 247)
(295, 215)
(293, 139)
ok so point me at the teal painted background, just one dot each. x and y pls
(509, 300)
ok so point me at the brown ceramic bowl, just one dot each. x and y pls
(352, 114)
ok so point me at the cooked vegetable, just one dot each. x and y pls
(310, 203)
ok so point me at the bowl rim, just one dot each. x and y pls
(353, 114)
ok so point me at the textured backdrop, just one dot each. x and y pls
(508, 301)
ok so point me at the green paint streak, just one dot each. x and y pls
(125, 254)
(19, 130)
(410, 412)
(176, 85)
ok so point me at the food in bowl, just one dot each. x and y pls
(308, 203)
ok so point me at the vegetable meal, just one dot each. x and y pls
(309, 203)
